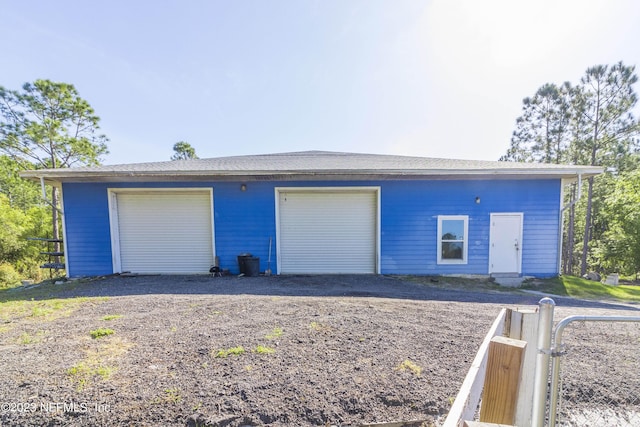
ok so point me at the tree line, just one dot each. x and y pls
(44, 125)
(590, 123)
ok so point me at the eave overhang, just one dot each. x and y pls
(57, 176)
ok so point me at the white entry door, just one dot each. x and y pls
(505, 243)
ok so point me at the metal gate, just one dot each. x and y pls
(591, 381)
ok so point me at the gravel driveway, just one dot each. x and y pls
(279, 350)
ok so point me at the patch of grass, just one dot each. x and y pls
(101, 332)
(275, 333)
(233, 351)
(82, 373)
(60, 306)
(321, 327)
(98, 363)
(109, 317)
(264, 350)
(317, 326)
(586, 289)
(44, 290)
(408, 365)
(27, 338)
(169, 395)
(44, 310)
(463, 283)
(84, 369)
(172, 395)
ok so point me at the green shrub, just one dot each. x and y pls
(9, 277)
(264, 350)
(276, 333)
(101, 332)
(408, 365)
(233, 351)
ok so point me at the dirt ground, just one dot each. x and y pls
(279, 350)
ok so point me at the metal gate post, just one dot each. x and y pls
(545, 327)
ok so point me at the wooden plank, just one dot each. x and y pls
(528, 333)
(479, 424)
(513, 324)
(415, 423)
(502, 380)
(466, 402)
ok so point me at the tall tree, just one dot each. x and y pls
(590, 124)
(18, 258)
(542, 131)
(619, 250)
(21, 194)
(183, 151)
(604, 102)
(48, 125)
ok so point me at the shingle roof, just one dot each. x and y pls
(310, 164)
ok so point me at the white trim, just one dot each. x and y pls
(465, 247)
(519, 260)
(114, 230)
(101, 174)
(375, 189)
(113, 216)
(277, 217)
(560, 240)
(65, 249)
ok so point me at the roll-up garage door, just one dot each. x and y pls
(165, 232)
(327, 231)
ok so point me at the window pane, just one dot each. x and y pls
(452, 250)
(452, 229)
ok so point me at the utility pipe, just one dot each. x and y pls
(42, 187)
(560, 225)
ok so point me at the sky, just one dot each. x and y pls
(431, 78)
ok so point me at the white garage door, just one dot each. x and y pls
(327, 231)
(165, 232)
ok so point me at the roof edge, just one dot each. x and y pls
(69, 174)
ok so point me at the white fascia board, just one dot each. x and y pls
(71, 175)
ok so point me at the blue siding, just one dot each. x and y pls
(410, 219)
(86, 216)
(244, 221)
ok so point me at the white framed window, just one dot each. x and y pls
(453, 239)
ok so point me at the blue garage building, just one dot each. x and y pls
(315, 212)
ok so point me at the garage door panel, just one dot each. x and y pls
(165, 232)
(328, 232)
